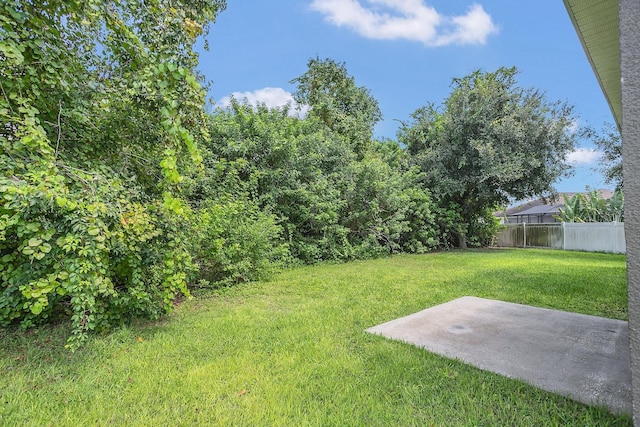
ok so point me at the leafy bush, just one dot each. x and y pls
(331, 202)
(91, 90)
(101, 259)
(236, 242)
(387, 210)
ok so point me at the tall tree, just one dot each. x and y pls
(334, 98)
(491, 141)
(330, 203)
(100, 106)
(609, 142)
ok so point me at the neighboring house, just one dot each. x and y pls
(540, 214)
(540, 211)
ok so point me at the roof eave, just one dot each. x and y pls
(610, 86)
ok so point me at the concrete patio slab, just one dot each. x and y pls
(583, 357)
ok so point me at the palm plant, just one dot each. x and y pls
(592, 208)
(616, 206)
(572, 211)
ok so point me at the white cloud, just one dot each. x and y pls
(574, 126)
(583, 156)
(272, 97)
(409, 20)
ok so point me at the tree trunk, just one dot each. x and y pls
(462, 240)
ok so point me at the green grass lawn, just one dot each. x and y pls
(293, 351)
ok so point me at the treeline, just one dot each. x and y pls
(326, 200)
(119, 193)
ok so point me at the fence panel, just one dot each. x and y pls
(591, 237)
(544, 235)
(511, 236)
(595, 237)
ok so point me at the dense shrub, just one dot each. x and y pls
(101, 259)
(99, 111)
(236, 242)
(331, 202)
(480, 232)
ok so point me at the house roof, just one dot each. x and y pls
(515, 210)
(540, 210)
(542, 206)
(597, 25)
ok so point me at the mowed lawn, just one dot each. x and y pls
(293, 351)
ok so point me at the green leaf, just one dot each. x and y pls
(34, 242)
(37, 307)
(33, 226)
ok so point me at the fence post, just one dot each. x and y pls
(564, 237)
(524, 234)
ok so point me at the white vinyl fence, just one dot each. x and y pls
(590, 236)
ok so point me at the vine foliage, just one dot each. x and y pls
(100, 117)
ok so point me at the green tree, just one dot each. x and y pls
(387, 210)
(334, 98)
(100, 108)
(490, 141)
(331, 203)
(609, 142)
(292, 168)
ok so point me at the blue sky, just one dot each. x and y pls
(406, 52)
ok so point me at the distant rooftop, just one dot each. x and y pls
(548, 205)
(540, 209)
